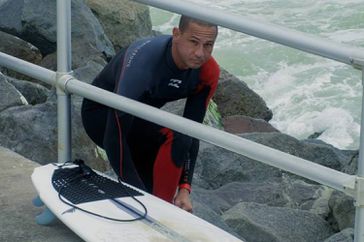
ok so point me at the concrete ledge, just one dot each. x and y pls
(17, 216)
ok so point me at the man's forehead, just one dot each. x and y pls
(201, 31)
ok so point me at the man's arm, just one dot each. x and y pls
(195, 109)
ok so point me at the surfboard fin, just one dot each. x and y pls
(46, 217)
(38, 202)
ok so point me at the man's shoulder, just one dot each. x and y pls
(151, 42)
(210, 70)
(146, 51)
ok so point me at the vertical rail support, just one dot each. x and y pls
(63, 68)
(359, 214)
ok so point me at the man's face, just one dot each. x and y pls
(193, 47)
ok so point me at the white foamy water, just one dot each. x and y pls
(306, 93)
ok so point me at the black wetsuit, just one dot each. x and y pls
(144, 154)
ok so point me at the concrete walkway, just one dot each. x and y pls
(17, 213)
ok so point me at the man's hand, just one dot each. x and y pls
(183, 200)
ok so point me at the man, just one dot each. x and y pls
(156, 71)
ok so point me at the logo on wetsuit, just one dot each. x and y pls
(135, 52)
(174, 83)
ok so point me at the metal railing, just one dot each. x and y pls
(66, 85)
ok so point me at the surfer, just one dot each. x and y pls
(155, 71)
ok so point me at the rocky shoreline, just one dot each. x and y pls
(254, 201)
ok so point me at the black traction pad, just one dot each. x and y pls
(79, 188)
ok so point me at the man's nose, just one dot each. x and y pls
(199, 51)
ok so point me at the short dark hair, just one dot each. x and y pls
(186, 20)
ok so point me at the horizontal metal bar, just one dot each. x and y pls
(27, 68)
(268, 31)
(299, 166)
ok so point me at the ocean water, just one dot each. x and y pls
(306, 93)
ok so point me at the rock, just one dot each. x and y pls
(203, 211)
(37, 25)
(32, 132)
(19, 48)
(212, 116)
(234, 97)
(289, 192)
(305, 196)
(343, 211)
(34, 93)
(320, 153)
(315, 135)
(347, 235)
(209, 199)
(351, 166)
(9, 96)
(238, 124)
(88, 72)
(78, 60)
(216, 167)
(123, 21)
(257, 222)
(269, 193)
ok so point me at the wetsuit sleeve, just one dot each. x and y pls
(195, 109)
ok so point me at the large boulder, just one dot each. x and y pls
(227, 196)
(238, 124)
(37, 25)
(234, 97)
(123, 21)
(289, 192)
(318, 152)
(216, 167)
(305, 196)
(261, 223)
(9, 95)
(32, 132)
(21, 49)
(203, 211)
(347, 235)
(343, 211)
(33, 93)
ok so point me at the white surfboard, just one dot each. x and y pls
(164, 221)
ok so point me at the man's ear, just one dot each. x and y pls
(176, 32)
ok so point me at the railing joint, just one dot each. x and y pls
(62, 79)
(357, 63)
(359, 192)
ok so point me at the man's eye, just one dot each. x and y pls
(208, 46)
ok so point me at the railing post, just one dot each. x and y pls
(359, 215)
(63, 68)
